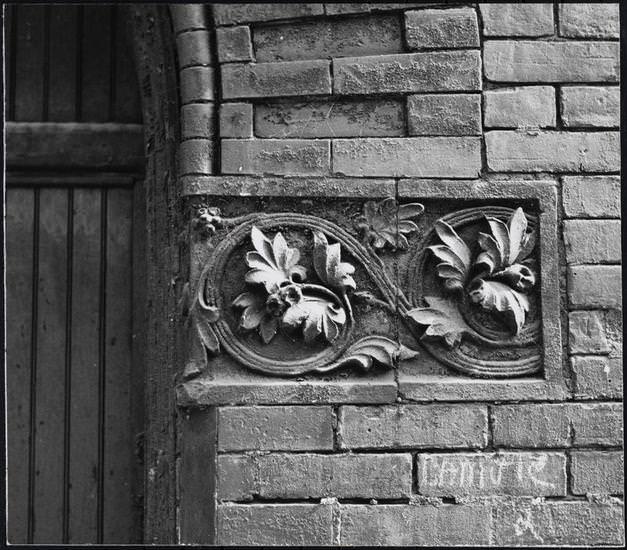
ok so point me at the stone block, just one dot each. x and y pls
(234, 44)
(595, 286)
(589, 20)
(597, 472)
(591, 196)
(545, 151)
(517, 19)
(592, 241)
(410, 72)
(437, 157)
(590, 106)
(444, 115)
(543, 61)
(564, 523)
(330, 118)
(188, 16)
(586, 332)
(293, 78)
(236, 120)
(196, 84)
(275, 428)
(450, 28)
(291, 157)
(357, 7)
(415, 525)
(274, 525)
(413, 426)
(597, 377)
(193, 48)
(304, 476)
(521, 107)
(489, 474)
(195, 156)
(371, 35)
(229, 14)
(546, 425)
(198, 120)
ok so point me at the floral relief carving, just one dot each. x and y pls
(310, 293)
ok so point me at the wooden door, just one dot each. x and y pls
(74, 230)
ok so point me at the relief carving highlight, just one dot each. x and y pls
(469, 300)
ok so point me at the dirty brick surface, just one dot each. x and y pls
(352, 97)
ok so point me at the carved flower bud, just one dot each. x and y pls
(275, 305)
(291, 294)
(518, 276)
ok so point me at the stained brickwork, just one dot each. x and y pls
(464, 92)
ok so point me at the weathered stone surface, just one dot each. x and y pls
(291, 78)
(591, 196)
(415, 525)
(527, 106)
(303, 476)
(275, 156)
(321, 39)
(228, 14)
(486, 474)
(357, 7)
(595, 286)
(196, 156)
(411, 72)
(444, 114)
(450, 28)
(582, 523)
(540, 61)
(546, 425)
(541, 151)
(586, 332)
(336, 118)
(413, 426)
(597, 472)
(234, 44)
(597, 377)
(235, 477)
(188, 16)
(592, 241)
(236, 120)
(588, 20)
(419, 156)
(275, 428)
(591, 106)
(517, 19)
(193, 48)
(197, 84)
(274, 524)
(198, 120)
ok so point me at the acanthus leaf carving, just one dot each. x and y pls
(386, 222)
(376, 349)
(442, 318)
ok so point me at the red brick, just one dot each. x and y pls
(598, 286)
(450, 28)
(234, 44)
(597, 472)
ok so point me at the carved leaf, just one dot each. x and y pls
(273, 263)
(376, 349)
(455, 256)
(316, 315)
(256, 316)
(328, 265)
(518, 276)
(386, 222)
(496, 296)
(517, 227)
(201, 319)
(442, 318)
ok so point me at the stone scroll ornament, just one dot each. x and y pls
(312, 302)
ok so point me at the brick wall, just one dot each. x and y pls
(487, 91)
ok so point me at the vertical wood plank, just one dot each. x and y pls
(118, 437)
(29, 63)
(126, 106)
(63, 63)
(96, 64)
(9, 63)
(83, 421)
(51, 358)
(19, 293)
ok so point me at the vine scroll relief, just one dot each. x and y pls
(291, 293)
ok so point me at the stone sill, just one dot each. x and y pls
(382, 390)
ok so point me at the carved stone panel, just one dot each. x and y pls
(429, 279)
